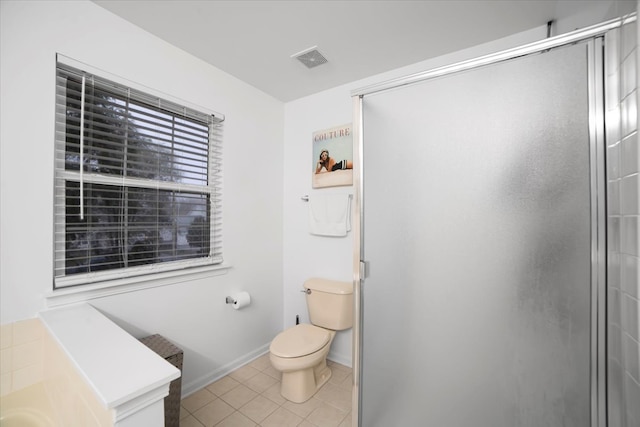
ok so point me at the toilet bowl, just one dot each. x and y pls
(300, 352)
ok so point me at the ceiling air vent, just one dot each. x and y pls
(310, 57)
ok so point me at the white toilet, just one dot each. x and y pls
(300, 352)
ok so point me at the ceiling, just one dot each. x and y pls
(254, 40)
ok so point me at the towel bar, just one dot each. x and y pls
(305, 198)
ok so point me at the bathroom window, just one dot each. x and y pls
(137, 182)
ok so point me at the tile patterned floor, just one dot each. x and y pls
(250, 397)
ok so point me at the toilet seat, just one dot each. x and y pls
(300, 340)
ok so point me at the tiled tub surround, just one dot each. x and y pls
(23, 396)
(21, 355)
(80, 369)
(40, 382)
(623, 284)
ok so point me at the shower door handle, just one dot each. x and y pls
(364, 269)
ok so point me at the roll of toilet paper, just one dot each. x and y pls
(241, 300)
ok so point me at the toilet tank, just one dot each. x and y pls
(330, 303)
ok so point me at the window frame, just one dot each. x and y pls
(153, 274)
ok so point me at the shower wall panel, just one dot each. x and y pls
(477, 229)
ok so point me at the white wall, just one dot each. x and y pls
(192, 314)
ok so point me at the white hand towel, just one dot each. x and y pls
(330, 214)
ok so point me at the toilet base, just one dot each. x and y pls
(299, 386)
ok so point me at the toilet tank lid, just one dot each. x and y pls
(329, 286)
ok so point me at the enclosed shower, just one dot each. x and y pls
(482, 258)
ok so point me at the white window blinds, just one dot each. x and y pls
(138, 182)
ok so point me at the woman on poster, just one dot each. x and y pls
(329, 164)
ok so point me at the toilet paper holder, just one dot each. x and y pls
(238, 301)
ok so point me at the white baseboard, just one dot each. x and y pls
(205, 380)
(341, 359)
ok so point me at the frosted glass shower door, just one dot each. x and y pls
(477, 230)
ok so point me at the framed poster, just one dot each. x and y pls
(333, 157)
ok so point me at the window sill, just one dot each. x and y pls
(74, 294)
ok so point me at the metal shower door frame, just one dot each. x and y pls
(594, 37)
